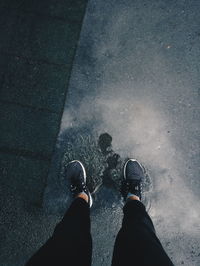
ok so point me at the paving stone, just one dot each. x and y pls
(45, 39)
(71, 9)
(7, 22)
(28, 130)
(30, 83)
(23, 176)
(3, 65)
(11, 3)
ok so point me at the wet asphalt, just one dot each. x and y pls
(134, 93)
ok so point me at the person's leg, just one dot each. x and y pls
(136, 242)
(71, 243)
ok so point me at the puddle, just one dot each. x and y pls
(103, 166)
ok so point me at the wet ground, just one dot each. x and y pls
(134, 93)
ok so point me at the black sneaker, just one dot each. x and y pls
(76, 173)
(132, 180)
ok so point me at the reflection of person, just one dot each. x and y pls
(71, 243)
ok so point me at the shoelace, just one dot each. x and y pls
(128, 186)
(78, 187)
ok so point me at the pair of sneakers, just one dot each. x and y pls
(133, 175)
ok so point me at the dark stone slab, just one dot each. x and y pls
(26, 129)
(45, 39)
(7, 22)
(11, 3)
(71, 9)
(22, 228)
(27, 82)
(22, 176)
(3, 64)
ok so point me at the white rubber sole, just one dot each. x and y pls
(90, 200)
(84, 172)
(84, 176)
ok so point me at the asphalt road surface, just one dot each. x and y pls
(136, 78)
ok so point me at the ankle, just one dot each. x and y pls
(84, 196)
(133, 197)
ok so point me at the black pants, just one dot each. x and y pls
(71, 243)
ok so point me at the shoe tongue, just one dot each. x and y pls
(135, 181)
(135, 178)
